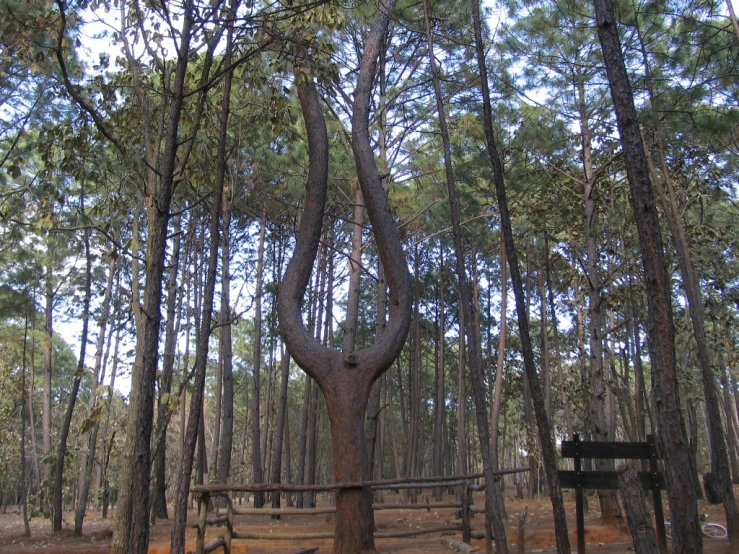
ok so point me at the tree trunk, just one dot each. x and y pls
(346, 378)
(674, 442)
(61, 451)
(690, 282)
(462, 396)
(100, 474)
(439, 393)
(227, 406)
(131, 534)
(494, 504)
(88, 462)
(500, 368)
(31, 420)
(596, 423)
(280, 427)
(195, 421)
(637, 514)
(545, 433)
(24, 488)
(48, 371)
(256, 453)
(558, 353)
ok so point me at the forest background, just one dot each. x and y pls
(101, 158)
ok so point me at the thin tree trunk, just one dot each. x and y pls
(558, 353)
(462, 395)
(302, 437)
(227, 405)
(159, 501)
(288, 455)
(545, 433)
(500, 367)
(414, 392)
(48, 370)
(256, 453)
(280, 426)
(31, 421)
(544, 333)
(195, 420)
(100, 478)
(439, 393)
(24, 488)
(67, 422)
(494, 504)
(596, 423)
(87, 463)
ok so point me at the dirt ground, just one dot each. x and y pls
(539, 535)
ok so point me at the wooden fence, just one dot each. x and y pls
(230, 533)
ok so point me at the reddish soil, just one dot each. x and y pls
(539, 536)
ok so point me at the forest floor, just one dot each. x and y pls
(539, 531)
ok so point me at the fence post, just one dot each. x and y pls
(579, 504)
(203, 513)
(659, 515)
(228, 535)
(466, 502)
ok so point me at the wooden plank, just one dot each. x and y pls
(331, 510)
(318, 536)
(603, 480)
(215, 488)
(606, 450)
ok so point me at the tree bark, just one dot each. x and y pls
(674, 442)
(637, 514)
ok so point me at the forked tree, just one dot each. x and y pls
(346, 378)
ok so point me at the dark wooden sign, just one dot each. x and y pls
(580, 480)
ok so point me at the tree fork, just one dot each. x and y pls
(346, 378)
